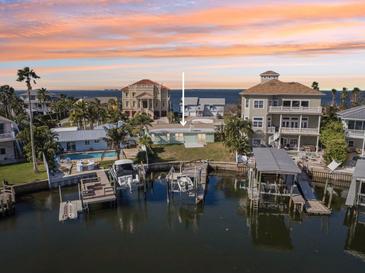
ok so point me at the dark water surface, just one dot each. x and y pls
(150, 235)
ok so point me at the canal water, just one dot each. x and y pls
(148, 235)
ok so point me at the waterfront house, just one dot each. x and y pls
(353, 120)
(203, 107)
(37, 106)
(283, 114)
(146, 96)
(72, 139)
(10, 150)
(191, 135)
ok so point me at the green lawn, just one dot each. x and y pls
(21, 173)
(212, 151)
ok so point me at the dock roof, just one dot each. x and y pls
(273, 160)
(359, 171)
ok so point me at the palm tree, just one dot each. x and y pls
(115, 136)
(141, 121)
(43, 98)
(147, 142)
(355, 97)
(344, 98)
(315, 85)
(79, 114)
(236, 134)
(28, 75)
(334, 93)
(11, 105)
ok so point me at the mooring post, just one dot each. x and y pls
(59, 191)
(330, 199)
(325, 190)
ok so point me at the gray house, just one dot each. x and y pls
(353, 120)
(203, 107)
(10, 150)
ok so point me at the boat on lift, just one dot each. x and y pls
(126, 174)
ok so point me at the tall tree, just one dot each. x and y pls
(115, 136)
(315, 85)
(237, 133)
(29, 76)
(141, 121)
(11, 105)
(334, 93)
(344, 98)
(147, 142)
(79, 114)
(43, 98)
(355, 97)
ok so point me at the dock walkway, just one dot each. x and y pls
(312, 205)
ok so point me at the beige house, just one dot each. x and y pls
(146, 96)
(10, 150)
(283, 114)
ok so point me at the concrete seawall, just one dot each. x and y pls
(31, 187)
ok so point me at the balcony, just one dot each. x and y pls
(355, 133)
(293, 110)
(7, 136)
(304, 131)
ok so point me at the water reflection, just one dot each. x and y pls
(355, 241)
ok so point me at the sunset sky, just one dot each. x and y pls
(99, 44)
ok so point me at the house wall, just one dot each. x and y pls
(9, 151)
(81, 146)
(163, 138)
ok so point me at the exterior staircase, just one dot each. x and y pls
(273, 138)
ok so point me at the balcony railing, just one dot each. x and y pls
(282, 109)
(270, 129)
(7, 135)
(289, 130)
(355, 133)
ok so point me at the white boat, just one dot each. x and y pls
(126, 174)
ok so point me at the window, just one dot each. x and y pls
(358, 125)
(126, 103)
(134, 103)
(305, 122)
(201, 137)
(256, 142)
(96, 141)
(179, 137)
(144, 104)
(257, 122)
(286, 103)
(133, 94)
(2, 130)
(247, 103)
(285, 122)
(258, 103)
(269, 121)
(275, 102)
(295, 104)
(87, 142)
(2, 151)
(304, 104)
(351, 124)
(351, 143)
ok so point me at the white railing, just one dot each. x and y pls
(355, 133)
(270, 129)
(279, 109)
(289, 130)
(7, 135)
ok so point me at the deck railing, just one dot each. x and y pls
(289, 130)
(7, 135)
(282, 109)
(355, 133)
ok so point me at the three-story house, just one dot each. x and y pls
(146, 96)
(283, 114)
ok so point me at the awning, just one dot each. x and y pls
(274, 161)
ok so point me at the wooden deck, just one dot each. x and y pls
(97, 190)
(70, 210)
(316, 207)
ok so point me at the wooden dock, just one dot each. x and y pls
(69, 210)
(97, 190)
(7, 199)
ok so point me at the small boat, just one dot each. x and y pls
(126, 174)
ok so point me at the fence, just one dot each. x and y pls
(340, 179)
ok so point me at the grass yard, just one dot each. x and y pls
(21, 173)
(212, 151)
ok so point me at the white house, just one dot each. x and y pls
(353, 120)
(10, 150)
(37, 106)
(72, 139)
(203, 107)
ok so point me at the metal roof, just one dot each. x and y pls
(357, 113)
(212, 101)
(273, 160)
(191, 101)
(359, 171)
(80, 135)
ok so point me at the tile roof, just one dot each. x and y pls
(80, 135)
(269, 73)
(277, 87)
(353, 113)
(146, 82)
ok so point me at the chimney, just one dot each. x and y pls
(268, 76)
